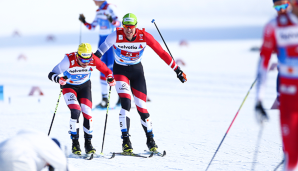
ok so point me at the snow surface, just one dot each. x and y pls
(189, 120)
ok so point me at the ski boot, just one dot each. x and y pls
(76, 147)
(151, 144)
(126, 145)
(89, 149)
(103, 104)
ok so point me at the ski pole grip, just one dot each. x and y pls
(152, 21)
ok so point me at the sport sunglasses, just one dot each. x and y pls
(280, 7)
(129, 26)
(83, 60)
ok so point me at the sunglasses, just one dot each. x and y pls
(280, 7)
(129, 26)
(83, 60)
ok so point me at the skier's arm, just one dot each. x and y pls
(59, 69)
(102, 67)
(165, 56)
(89, 26)
(51, 153)
(113, 17)
(269, 45)
(105, 46)
(160, 52)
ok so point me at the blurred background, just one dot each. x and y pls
(190, 19)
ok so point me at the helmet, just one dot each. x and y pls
(85, 50)
(130, 19)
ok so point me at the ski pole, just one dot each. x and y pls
(65, 77)
(231, 123)
(283, 160)
(54, 113)
(257, 147)
(153, 21)
(104, 132)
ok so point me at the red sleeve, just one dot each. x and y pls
(89, 26)
(159, 50)
(100, 66)
(269, 45)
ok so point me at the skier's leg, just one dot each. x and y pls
(139, 90)
(123, 90)
(289, 125)
(85, 99)
(70, 96)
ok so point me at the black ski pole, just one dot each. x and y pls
(65, 77)
(54, 113)
(283, 160)
(104, 132)
(153, 21)
(231, 124)
(257, 147)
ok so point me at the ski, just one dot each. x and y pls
(157, 153)
(90, 156)
(84, 156)
(131, 154)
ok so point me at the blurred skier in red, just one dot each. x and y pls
(281, 35)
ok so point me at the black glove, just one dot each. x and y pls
(98, 54)
(82, 18)
(261, 115)
(181, 75)
(51, 168)
(109, 18)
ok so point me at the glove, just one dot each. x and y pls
(180, 75)
(110, 80)
(82, 18)
(109, 17)
(62, 80)
(51, 168)
(261, 115)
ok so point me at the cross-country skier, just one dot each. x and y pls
(31, 150)
(107, 20)
(129, 44)
(281, 35)
(77, 67)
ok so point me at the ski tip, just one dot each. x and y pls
(151, 155)
(164, 153)
(113, 155)
(152, 21)
(91, 157)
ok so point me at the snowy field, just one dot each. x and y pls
(189, 120)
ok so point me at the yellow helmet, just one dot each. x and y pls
(85, 50)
